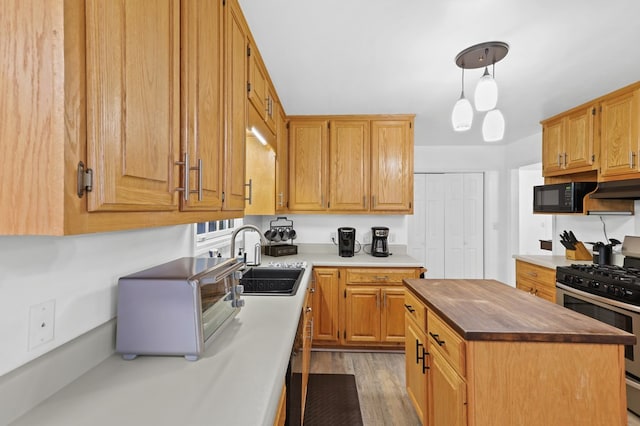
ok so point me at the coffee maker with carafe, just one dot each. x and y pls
(379, 247)
(346, 241)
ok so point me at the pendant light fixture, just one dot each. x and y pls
(462, 114)
(481, 55)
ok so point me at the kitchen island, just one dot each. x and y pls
(491, 354)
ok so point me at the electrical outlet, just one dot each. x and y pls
(367, 238)
(41, 323)
(334, 237)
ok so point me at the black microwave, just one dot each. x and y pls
(561, 197)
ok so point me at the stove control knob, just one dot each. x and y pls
(628, 294)
(594, 284)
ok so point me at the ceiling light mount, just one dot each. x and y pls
(482, 55)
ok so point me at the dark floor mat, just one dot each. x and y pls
(332, 399)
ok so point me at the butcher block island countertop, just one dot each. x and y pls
(491, 310)
(511, 358)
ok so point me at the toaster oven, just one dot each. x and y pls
(177, 308)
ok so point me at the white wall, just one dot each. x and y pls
(317, 229)
(80, 273)
(531, 227)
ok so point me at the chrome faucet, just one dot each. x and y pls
(244, 228)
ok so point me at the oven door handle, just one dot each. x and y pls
(632, 383)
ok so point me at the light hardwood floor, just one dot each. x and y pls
(381, 385)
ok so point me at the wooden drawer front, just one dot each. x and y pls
(539, 274)
(379, 275)
(415, 309)
(448, 342)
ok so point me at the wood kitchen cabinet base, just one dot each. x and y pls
(368, 309)
(539, 365)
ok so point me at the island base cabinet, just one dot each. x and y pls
(540, 383)
(416, 368)
(448, 396)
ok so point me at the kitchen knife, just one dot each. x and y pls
(572, 237)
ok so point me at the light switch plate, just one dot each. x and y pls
(41, 323)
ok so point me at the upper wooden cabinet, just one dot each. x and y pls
(600, 137)
(202, 99)
(282, 161)
(349, 163)
(236, 65)
(620, 139)
(133, 121)
(392, 165)
(79, 96)
(260, 90)
(308, 151)
(369, 161)
(568, 142)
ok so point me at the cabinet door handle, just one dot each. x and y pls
(425, 367)
(281, 197)
(409, 308)
(559, 160)
(631, 159)
(436, 337)
(565, 160)
(378, 300)
(381, 278)
(199, 169)
(250, 185)
(418, 346)
(185, 173)
(532, 274)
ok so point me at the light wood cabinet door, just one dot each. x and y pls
(258, 83)
(619, 136)
(392, 325)
(282, 161)
(307, 341)
(307, 165)
(349, 161)
(579, 139)
(325, 305)
(133, 104)
(391, 166)
(202, 104)
(261, 175)
(552, 146)
(235, 79)
(447, 393)
(362, 314)
(416, 368)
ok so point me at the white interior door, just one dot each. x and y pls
(446, 230)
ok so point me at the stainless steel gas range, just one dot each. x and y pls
(610, 294)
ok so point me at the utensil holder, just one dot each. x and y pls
(580, 253)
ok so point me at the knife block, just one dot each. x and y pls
(580, 253)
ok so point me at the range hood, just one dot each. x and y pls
(621, 190)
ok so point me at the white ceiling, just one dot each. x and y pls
(397, 56)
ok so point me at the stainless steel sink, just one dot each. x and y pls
(271, 281)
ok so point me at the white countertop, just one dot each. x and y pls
(548, 261)
(238, 381)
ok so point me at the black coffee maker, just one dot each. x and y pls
(379, 246)
(346, 241)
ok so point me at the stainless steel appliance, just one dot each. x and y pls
(346, 241)
(561, 197)
(379, 245)
(177, 308)
(610, 294)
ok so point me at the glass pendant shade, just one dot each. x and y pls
(486, 94)
(493, 126)
(462, 115)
